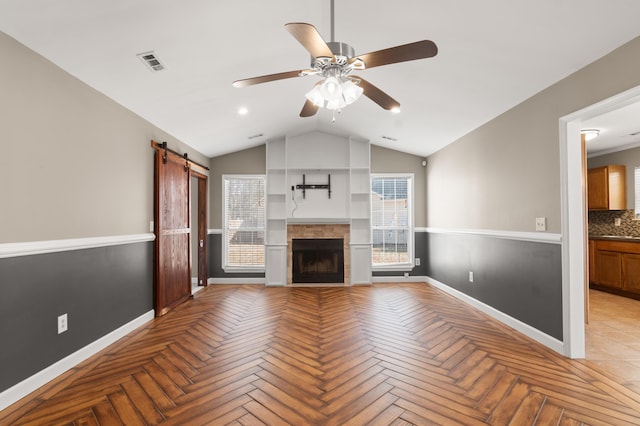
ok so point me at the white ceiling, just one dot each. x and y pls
(619, 129)
(493, 54)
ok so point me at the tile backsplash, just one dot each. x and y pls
(602, 222)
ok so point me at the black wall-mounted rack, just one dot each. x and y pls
(305, 186)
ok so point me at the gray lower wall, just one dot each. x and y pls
(519, 278)
(100, 289)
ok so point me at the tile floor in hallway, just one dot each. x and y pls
(613, 335)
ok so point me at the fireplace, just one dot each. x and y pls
(318, 231)
(318, 260)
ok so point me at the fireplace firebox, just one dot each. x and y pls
(318, 260)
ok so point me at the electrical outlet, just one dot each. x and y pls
(406, 275)
(63, 323)
(417, 261)
(470, 276)
(541, 223)
(617, 221)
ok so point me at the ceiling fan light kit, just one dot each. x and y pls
(334, 61)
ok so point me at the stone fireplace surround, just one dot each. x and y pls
(313, 231)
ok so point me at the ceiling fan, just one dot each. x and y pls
(335, 61)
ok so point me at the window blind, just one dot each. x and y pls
(391, 220)
(244, 222)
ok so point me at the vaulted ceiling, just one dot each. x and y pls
(493, 54)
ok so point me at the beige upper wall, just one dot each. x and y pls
(384, 160)
(74, 163)
(507, 172)
(630, 158)
(253, 161)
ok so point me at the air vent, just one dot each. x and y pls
(151, 60)
(634, 133)
(389, 138)
(259, 135)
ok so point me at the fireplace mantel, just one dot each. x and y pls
(317, 221)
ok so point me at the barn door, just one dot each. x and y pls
(172, 265)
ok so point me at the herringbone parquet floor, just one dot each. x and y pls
(383, 355)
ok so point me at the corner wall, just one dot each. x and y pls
(496, 180)
(77, 199)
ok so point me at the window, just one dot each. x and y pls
(636, 189)
(244, 223)
(392, 221)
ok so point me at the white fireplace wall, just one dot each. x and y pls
(315, 204)
(317, 155)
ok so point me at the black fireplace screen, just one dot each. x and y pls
(318, 260)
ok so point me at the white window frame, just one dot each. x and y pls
(404, 266)
(225, 226)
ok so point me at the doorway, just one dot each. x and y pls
(199, 232)
(173, 227)
(573, 218)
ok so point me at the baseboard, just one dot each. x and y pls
(398, 279)
(236, 281)
(30, 384)
(527, 330)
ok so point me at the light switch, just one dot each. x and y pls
(541, 223)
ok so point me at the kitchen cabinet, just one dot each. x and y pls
(614, 264)
(607, 189)
(631, 268)
(609, 268)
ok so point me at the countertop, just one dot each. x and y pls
(614, 238)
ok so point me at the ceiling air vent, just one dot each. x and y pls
(389, 138)
(151, 60)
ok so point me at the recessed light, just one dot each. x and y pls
(243, 111)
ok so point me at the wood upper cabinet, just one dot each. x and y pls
(607, 189)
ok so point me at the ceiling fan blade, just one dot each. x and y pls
(309, 38)
(377, 95)
(266, 78)
(406, 52)
(309, 109)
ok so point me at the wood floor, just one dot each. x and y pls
(404, 354)
(613, 336)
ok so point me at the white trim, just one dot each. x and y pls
(30, 384)
(236, 281)
(214, 231)
(536, 237)
(573, 208)
(53, 246)
(399, 267)
(518, 325)
(399, 279)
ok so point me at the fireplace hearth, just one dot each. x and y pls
(318, 260)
